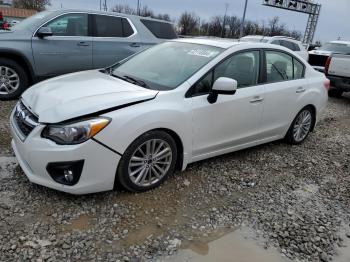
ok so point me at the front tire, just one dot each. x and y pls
(13, 79)
(301, 126)
(147, 162)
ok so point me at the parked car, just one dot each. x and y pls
(53, 43)
(173, 104)
(287, 42)
(319, 56)
(337, 70)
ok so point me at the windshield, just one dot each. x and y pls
(254, 39)
(29, 22)
(166, 66)
(336, 48)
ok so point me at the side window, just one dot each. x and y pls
(204, 85)
(243, 67)
(127, 29)
(296, 47)
(279, 66)
(160, 29)
(298, 69)
(276, 42)
(108, 26)
(69, 25)
(287, 44)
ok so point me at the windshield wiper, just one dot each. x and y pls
(136, 81)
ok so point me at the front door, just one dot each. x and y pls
(234, 120)
(69, 49)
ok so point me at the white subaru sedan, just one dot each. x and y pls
(182, 101)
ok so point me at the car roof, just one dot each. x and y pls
(226, 43)
(271, 37)
(216, 42)
(62, 11)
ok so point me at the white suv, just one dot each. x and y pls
(287, 42)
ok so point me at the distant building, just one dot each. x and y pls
(11, 14)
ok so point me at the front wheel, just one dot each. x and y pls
(147, 162)
(13, 79)
(301, 126)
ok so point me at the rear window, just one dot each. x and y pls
(159, 29)
(111, 26)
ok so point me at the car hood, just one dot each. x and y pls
(79, 94)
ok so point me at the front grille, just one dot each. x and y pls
(24, 120)
(317, 60)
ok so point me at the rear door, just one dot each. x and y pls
(285, 85)
(114, 38)
(69, 49)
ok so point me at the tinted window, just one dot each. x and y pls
(243, 67)
(159, 29)
(279, 66)
(69, 25)
(276, 42)
(298, 69)
(108, 26)
(127, 29)
(296, 47)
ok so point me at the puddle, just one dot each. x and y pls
(234, 246)
(82, 223)
(7, 165)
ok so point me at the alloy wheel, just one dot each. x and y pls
(302, 126)
(9, 80)
(150, 162)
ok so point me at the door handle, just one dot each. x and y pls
(256, 99)
(300, 90)
(83, 44)
(134, 45)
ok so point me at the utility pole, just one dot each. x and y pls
(224, 22)
(105, 6)
(243, 19)
(100, 5)
(138, 7)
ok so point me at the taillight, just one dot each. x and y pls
(326, 66)
(327, 84)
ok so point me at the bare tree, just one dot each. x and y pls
(144, 11)
(189, 24)
(38, 5)
(125, 9)
(215, 27)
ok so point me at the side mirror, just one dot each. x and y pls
(44, 32)
(222, 86)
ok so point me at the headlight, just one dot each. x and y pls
(75, 133)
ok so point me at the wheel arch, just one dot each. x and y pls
(313, 108)
(22, 60)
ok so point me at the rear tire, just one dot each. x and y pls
(13, 79)
(335, 92)
(147, 162)
(301, 126)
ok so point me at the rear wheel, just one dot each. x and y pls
(147, 162)
(13, 79)
(335, 92)
(301, 126)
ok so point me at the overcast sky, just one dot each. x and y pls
(334, 20)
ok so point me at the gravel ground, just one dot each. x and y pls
(295, 198)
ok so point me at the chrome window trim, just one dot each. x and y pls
(89, 13)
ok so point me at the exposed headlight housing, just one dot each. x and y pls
(75, 133)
